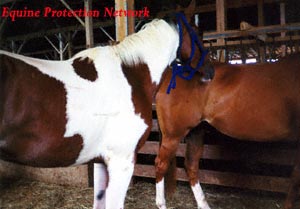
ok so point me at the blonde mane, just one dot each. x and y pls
(154, 40)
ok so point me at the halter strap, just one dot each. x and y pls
(185, 70)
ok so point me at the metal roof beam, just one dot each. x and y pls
(69, 8)
(40, 34)
(2, 2)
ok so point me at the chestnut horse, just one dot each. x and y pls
(94, 107)
(249, 102)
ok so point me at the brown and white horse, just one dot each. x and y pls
(96, 106)
(249, 102)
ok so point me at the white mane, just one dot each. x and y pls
(155, 42)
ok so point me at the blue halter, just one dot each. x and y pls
(185, 70)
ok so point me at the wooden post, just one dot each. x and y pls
(261, 22)
(260, 12)
(282, 22)
(221, 18)
(243, 51)
(282, 17)
(89, 25)
(297, 43)
(131, 20)
(61, 47)
(121, 21)
(13, 46)
(70, 46)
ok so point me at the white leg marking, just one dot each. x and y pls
(120, 171)
(160, 195)
(200, 197)
(100, 184)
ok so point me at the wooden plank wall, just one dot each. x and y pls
(229, 162)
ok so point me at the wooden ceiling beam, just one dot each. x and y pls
(252, 32)
(229, 5)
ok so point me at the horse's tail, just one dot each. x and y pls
(7, 67)
(3, 68)
(1, 71)
(170, 177)
(2, 80)
(1, 65)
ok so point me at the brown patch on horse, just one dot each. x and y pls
(85, 68)
(33, 117)
(142, 92)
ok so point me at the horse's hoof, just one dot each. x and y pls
(161, 206)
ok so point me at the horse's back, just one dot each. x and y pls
(281, 79)
(259, 101)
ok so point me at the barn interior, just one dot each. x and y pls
(237, 30)
(246, 31)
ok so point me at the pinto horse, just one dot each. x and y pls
(249, 102)
(94, 107)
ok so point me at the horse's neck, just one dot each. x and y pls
(156, 63)
(154, 46)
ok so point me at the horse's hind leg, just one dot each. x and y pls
(167, 153)
(294, 188)
(193, 154)
(100, 184)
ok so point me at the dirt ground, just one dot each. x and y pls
(23, 194)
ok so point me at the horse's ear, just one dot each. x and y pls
(190, 10)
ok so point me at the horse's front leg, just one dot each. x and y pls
(120, 170)
(194, 152)
(100, 184)
(167, 152)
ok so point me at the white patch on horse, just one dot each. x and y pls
(200, 197)
(100, 184)
(120, 172)
(160, 195)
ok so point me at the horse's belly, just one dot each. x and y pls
(104, 136)
(254, 127)
(117, 135)
(36, 149)
(266, 117)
